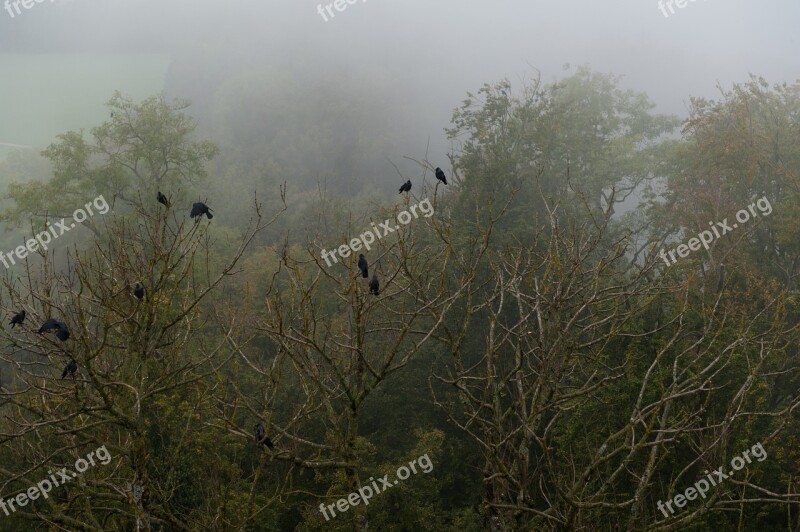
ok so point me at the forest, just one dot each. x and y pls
(267, 298)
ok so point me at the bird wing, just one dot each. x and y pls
(48, 325)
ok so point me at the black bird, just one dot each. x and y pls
(162, 199)
(374, 285)
(406, 187)
(138, 291)
(363, 266)
(261, 437)
(18, 318)
(199, 209)
(70, 368)
(440, 175)
(62, 333)
(721, 282)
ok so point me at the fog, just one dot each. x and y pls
(430, 51)
(545, 251)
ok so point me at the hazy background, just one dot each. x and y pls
(333, 109)
(60, 62)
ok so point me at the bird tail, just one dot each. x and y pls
(365, 273)
(12, 324)
(209, 215)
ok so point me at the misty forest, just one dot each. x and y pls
(290, 266)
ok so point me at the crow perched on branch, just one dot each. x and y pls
(138, 291)
(440, 175)
(70, 368)
(405, 187)
(199, 209)
(262, 438)
(62, 332)
(374, 285)
(18, 318)
(162, 199)
(363, 266)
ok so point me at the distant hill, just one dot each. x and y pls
(43, 95)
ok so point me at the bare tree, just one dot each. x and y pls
(333, 344)
(593, 372)
(144, 372)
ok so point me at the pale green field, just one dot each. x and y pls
(44, 95)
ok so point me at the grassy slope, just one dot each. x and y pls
(44, 95)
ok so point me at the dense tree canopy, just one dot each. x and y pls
(528, 339)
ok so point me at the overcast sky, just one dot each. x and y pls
(440, 47)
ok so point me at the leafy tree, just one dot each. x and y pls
(143, 148)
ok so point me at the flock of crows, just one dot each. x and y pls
(62, 333)
(374, 288)
(198, 210)
(406, 187)
(61, 329)
(374, 284)
(363, 265)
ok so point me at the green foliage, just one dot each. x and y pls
(144, 148)
(554, 380)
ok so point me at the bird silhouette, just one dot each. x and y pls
(138, 291)
(62, 332)
(162, 199)
(440, 175)
(374, 285)
(721, 282)
(18, 318)
(363, 266)
(405, 187)
(199, 209)
(70, 368)
(262, 438)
